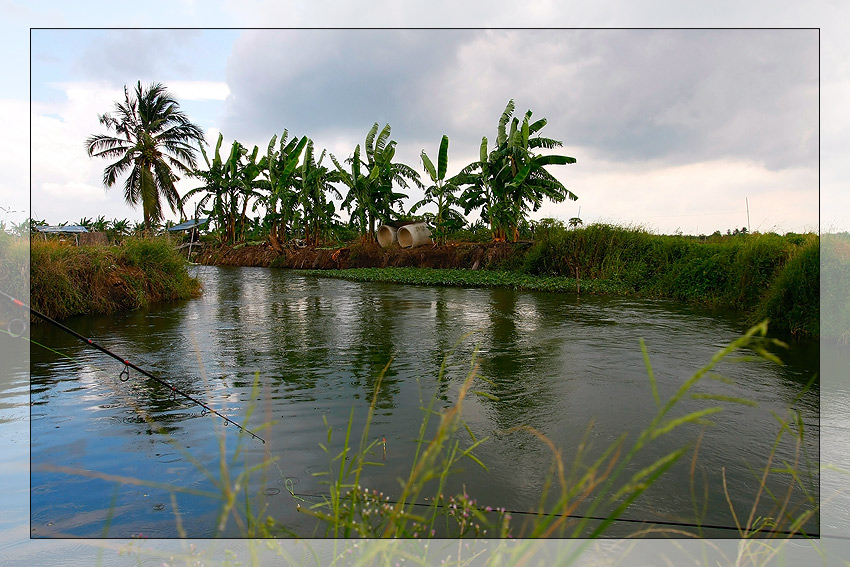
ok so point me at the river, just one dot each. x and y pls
(302, 355)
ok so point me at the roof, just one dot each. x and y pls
(72, 228)
(191, 223)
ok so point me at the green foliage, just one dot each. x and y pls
(14, 265)
(280, 168)
(230, 184)
(792, 301)
(69, 280)
(313, 185)
(468, 278)
(738, 271)
(511, 179)
(370, 196)
(442, 194)
(835, 281)
(153, 137)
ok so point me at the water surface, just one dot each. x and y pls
(570, 367)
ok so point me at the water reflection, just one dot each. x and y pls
(317, 346)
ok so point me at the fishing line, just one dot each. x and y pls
(302, 496)
(125, 373)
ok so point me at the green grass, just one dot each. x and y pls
(70, 280)
(761, 275)
(835, 260)
(14, 264)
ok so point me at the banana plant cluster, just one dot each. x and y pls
(281, 202)
(229, 186)
(511, 179)
(442, 194)
(293, 186)
(371, 197)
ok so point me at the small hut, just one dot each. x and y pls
(74, 229)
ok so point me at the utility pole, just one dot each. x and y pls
(748, 213)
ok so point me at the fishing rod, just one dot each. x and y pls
(125, 374)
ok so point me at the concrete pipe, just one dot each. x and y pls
(387, 235)
(413, 235)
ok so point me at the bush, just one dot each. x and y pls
(70, 280)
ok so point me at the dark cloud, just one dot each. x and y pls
(692, 95)
(311, 81)
(127, 55)
(675, 96)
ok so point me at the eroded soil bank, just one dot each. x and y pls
(471, 256)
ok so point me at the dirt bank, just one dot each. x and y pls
(471, 256)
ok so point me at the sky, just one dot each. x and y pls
(673, 130)
(670, 129)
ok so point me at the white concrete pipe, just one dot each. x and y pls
(413, 235)
(387, 235)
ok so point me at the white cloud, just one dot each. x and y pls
(73, 192)
(66, 182)
(198, 90)
(694, 198)
(14, 183)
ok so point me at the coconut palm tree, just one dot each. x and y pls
(151, 138)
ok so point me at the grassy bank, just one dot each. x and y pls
(767, 276)
(14, 265)
(70, 280)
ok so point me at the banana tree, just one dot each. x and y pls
(357, 201)
(229, 184)
(511, 179)
(247, 183)
(441, 193)
(118, 229)
(383, 174)
(370, 196)
(281, 168)
(314, 183)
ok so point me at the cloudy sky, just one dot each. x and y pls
(672, 129)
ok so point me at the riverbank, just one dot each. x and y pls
(471, 256)
(68, 280)
(766, 276)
